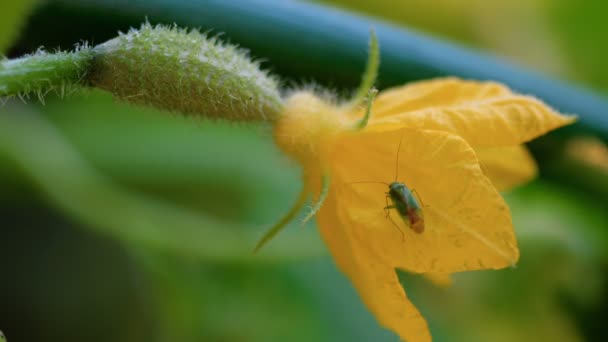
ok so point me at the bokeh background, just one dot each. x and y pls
(122, 223)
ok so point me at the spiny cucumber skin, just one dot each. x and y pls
(187, 72)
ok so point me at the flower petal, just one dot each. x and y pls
(484, 114)
(507, 166)
(467, 223)
(374, 279)
(440, 92)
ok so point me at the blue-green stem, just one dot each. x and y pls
(333, 44)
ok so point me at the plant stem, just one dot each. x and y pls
(44, 72)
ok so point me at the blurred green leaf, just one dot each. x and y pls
(12, 17)
(557, 37)
(562, 217)
(515, 29)
(63, 283)
(582, 29)
(209, 303)
(81, 192)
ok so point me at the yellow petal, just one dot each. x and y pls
(507, 166)
(374, 279)
(484, 114)
(468, 224)
(440, 92)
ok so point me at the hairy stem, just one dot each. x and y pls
(43, 72)
(165, 67)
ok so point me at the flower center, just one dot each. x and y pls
(308, 126)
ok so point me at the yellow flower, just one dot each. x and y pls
(450, 138)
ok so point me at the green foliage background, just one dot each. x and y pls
(560, 37)
(121, 223)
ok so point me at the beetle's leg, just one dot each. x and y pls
(388, 207)
(399, 229)
(388, 212)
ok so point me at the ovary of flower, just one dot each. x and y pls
(449, 129)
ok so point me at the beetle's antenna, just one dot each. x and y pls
(398, 150)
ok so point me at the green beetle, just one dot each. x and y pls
(407, 206)
(403, 201)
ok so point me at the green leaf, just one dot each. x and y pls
(199, 302)
(582, 31)
(81, 192)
